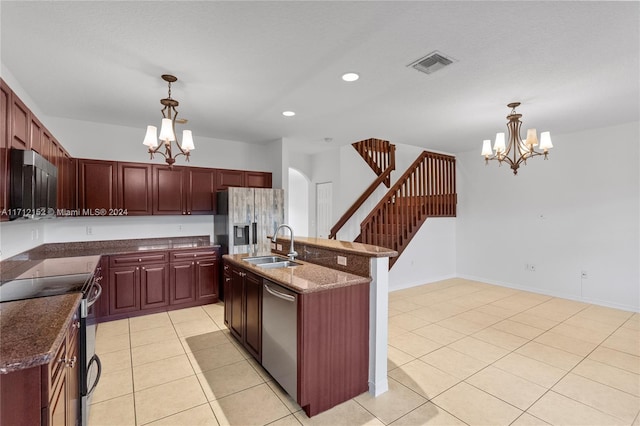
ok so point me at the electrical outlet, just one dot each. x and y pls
(532, 268)
(584, 275)
(342, 260)
(273, 246)
(179, 227)
(279, 247)
(89, 230)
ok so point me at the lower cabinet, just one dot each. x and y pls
(156, 281)
(243, 308)
(47, 394)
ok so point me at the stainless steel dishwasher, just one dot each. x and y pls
(280, 335)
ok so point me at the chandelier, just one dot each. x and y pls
(518, 151)
(168, 130)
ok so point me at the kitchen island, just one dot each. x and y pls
(341, 325)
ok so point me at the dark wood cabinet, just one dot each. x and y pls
(168, 190)
(207, 272)
(226, 292)
(242, 178)
(5, 145)
(234, 301)
(138, 281)
(35, 135)
(201, 190)
(183, 288)
(156, 281)
(226, 178)
(154, 286)
(253, 315)
(134, 188)
(258, 179)
(243, 309)
(194, 276)
(20, 124)
(183, 190)
(96, 184)
(47, 394)
(124, 289)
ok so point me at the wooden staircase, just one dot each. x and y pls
(426, 189)
(380, 156)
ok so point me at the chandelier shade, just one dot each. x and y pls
(168, 130)
(517, 151)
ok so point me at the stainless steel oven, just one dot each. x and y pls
(51, 277)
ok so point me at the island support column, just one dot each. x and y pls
(378, 325)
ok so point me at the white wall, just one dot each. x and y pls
(298, 203)
(578, 211)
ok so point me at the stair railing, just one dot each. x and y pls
(426, 189)
(380, 155)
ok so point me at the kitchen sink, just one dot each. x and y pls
(264, 259)
(271, 262)
(280, 264)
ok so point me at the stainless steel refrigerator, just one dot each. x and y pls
(245, 217)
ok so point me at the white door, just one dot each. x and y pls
(324, 193)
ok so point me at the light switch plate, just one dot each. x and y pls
(342, 260)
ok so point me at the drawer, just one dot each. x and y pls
(177, 256)
(137, 258)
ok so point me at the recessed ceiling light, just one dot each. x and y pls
(288, 113)
(350, 76)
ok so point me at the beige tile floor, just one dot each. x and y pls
(460, 352)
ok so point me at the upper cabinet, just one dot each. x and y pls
(20, 124)
(242, 178)
(96, 184)
(134, 188)
(183, 190)
(5, 144)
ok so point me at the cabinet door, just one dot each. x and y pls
(35, 135)
(73, 378)
(258, 179)
(134, 190)
(253, 314)
(154, 286)
(124, 289)
(183, 286)
(201, 191)
(227, 295)
(20, 124)
(5, 145)
(168, 190)
(207, 279)
(235, 295)
(58, 403)
(97, 183)
(227, 178)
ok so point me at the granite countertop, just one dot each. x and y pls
(22, 263)
(343, 246)
(306, 278)
(32, 330)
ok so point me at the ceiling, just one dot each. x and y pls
(573, 65)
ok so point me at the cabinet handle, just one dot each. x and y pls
(197, 263)
(137, 268)
(144, 269)
(76, 324)
(69, 362)
(188, 212)
(227, 279)
(139, 260)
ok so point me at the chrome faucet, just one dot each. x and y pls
(292, 253)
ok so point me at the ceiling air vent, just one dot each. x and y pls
(432, 62)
